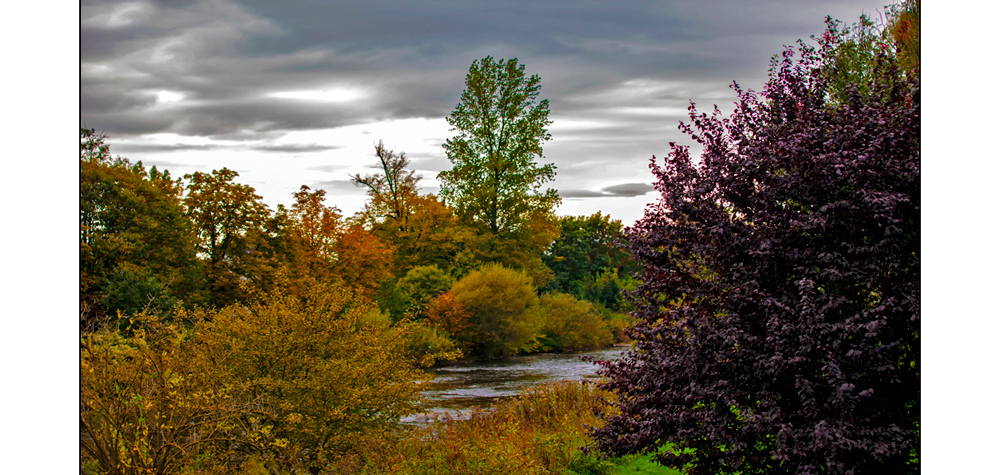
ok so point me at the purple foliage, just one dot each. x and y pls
(779, 311)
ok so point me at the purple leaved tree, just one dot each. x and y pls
(778, 318)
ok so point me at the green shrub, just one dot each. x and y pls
(501, 303)
(570, 324)
(421, 284)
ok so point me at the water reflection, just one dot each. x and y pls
(457, 387)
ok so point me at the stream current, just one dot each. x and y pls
(460, 386)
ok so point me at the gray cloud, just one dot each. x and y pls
(629, 189)
(619, 74)
(294, 148)
(412, 55)
(623, 190)
(131, 147)
(581, 194)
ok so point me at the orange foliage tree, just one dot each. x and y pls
(363, 260)
(434, 236)
(228, 219)
(446, 313)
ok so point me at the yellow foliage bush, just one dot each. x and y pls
(330, 367)
(571, 324)
(147, 405)
(283, 383)
(500, 302)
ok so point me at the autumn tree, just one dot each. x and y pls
(333, 371)
(495, 181)
(569, 324)
(779, 304)
(390, 193)
(228, 218)
(280, 383)
(435, 236)
(363, 260)
(149, 405)
(302, 239)
(136, 246)
(501, 302)
(856, 52)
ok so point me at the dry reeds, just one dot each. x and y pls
(539, 432)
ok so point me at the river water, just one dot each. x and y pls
(457, 387)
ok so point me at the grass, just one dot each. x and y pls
(643, 464)
(539, 432)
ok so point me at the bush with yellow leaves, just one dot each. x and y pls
(287, 381)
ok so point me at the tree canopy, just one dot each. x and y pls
(392, 192)
(132, 231)
(586, 247)
(779, 305)
(227, 218)
(495, 181)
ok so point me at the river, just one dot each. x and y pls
(457, 387)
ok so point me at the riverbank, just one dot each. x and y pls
(541, 431)
(458, 387)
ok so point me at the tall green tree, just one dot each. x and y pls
(495, 181)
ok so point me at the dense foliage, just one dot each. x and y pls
(588, 259)
(329, 365)
(569, 324)
(500, 302)
(286, 381)
(494, 182)
(780, 305)
(136, 247)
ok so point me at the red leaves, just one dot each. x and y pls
(781, 274)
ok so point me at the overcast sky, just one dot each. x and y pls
(297, 93)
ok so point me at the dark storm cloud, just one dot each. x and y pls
(224, 57)
(618, 75)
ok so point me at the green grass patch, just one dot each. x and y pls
(643, 464)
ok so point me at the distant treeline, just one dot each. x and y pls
(150, 242)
